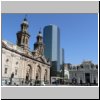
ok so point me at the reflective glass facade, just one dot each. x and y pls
(61, 56)
(51, 35)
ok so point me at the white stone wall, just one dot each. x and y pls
(66, 73)
(79, 74)
(16, 61)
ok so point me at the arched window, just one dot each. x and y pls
(92, 66)
(5, 71)
(7, 60)
(28, 73)
(96, 66)
(38, 73)
(81, 66)
(16, 63)
(26, 41)
(94, 81)
(81, 82)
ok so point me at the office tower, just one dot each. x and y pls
(62, 62)
(61, 57)
(51, 35)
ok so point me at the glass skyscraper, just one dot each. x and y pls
(51, 35)
(61, 57)
(62, 62)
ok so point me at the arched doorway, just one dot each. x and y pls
(38, 75)
(74, 81)
(28, 77)
(94, 81)
(87, 78)
(45, 76)
(81, 82)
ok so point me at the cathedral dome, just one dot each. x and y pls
(25, 22)
(39, 34)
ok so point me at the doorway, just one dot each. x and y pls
(87, 78)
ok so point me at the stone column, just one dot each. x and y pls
(97, 78)
(92, 77)
(78, 80)
(83, 78)
(42, 74)
(48, 75)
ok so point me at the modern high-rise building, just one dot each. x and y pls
(51, 35)
(62, 61)
(61, 57)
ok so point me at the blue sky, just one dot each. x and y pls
(78, 33)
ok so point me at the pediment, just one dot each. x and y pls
(41, 59)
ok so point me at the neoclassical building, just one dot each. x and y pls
(84, 73)
(20, 65)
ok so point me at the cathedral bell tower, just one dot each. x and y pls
(39, 45)
(23, 35)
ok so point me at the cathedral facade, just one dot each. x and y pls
(20, 66)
